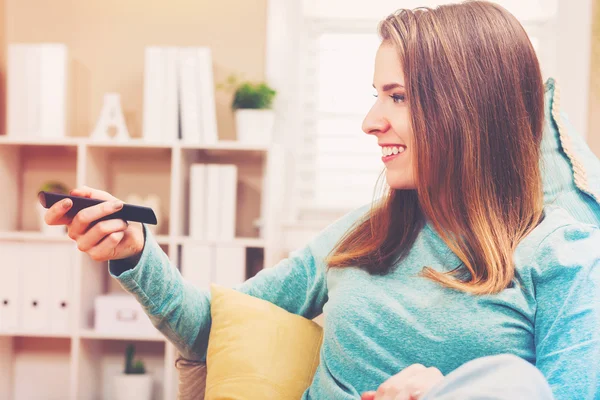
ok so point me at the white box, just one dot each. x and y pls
(228, 178)
(230, 265)
(213, 202)
(197, 264)
(35, 275)
(10, 295)
(37, 90)
(221, 201)
(189, 102)
(61, 287)
(160, 114)
(198, 193)
(121, 314)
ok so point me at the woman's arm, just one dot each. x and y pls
(181, 311)
(567, 323)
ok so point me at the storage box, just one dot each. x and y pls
(122, 314)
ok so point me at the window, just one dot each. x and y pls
(338, 165)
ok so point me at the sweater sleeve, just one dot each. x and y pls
(566, 278)
(181, 311)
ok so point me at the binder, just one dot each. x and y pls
(197, 96)
(197, 264)
(198, 200)
(10, 295)
(35, 275)
(170, 128)
(61, 267)
(153, 93)
(230, 265)
(189, 93)
(161, 108)
(37, 87)
(208, 116)
(228, 202)
(213, 201)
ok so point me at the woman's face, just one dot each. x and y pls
(389, 119)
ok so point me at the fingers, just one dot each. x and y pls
(89, 192)
(368, 396)
(85, 217)
(98, 232)
(107, 248)
(389, 391)
(55, 215)
(410, 384)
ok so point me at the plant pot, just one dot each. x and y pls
(254, 126)
(132, 386)
(50, 230)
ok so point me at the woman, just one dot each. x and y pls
(461, 261)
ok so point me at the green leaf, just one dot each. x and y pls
(55, 187)
(253, 96)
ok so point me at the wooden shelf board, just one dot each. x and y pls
(223, 145)
(13, 140)
(242, 242)
(32, 236)
(92, 334)
(36, 334)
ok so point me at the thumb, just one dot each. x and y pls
(368, 396)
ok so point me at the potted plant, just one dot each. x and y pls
(251, 105)
(133, 383)
(54, 187)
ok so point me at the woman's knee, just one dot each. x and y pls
(507, 364)
(502, 376)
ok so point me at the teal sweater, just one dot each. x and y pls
(375, 326)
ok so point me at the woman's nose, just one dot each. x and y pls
(375, 123)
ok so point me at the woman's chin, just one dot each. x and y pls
(399, 181)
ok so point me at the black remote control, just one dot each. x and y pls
(129, 212)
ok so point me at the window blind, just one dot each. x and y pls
(338, 165)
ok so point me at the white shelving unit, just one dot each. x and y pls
(77, 363)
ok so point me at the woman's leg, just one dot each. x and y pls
(501, 377)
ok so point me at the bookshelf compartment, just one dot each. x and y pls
(96, 281)
(126, 171)
(41, 368)
(100, 360)
(248, 200)
(24, 169)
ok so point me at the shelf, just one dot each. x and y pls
(92, 334)
(242, 242)
(162, 239)
(67, 141)
(139, 143)
(32, 236)
(35, 334)
(224, 145)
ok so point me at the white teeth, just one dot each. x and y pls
(392, 150)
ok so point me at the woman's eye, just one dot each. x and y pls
(398, 98)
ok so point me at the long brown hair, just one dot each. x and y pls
(475, 94)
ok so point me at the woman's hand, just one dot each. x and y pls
(111, 239)
(410, 384)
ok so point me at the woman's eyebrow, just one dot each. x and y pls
(390, 86)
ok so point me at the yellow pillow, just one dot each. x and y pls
(257, 350)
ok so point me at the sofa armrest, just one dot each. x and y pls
(192, 379)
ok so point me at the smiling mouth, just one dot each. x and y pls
(387, 151)
(390, 152)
